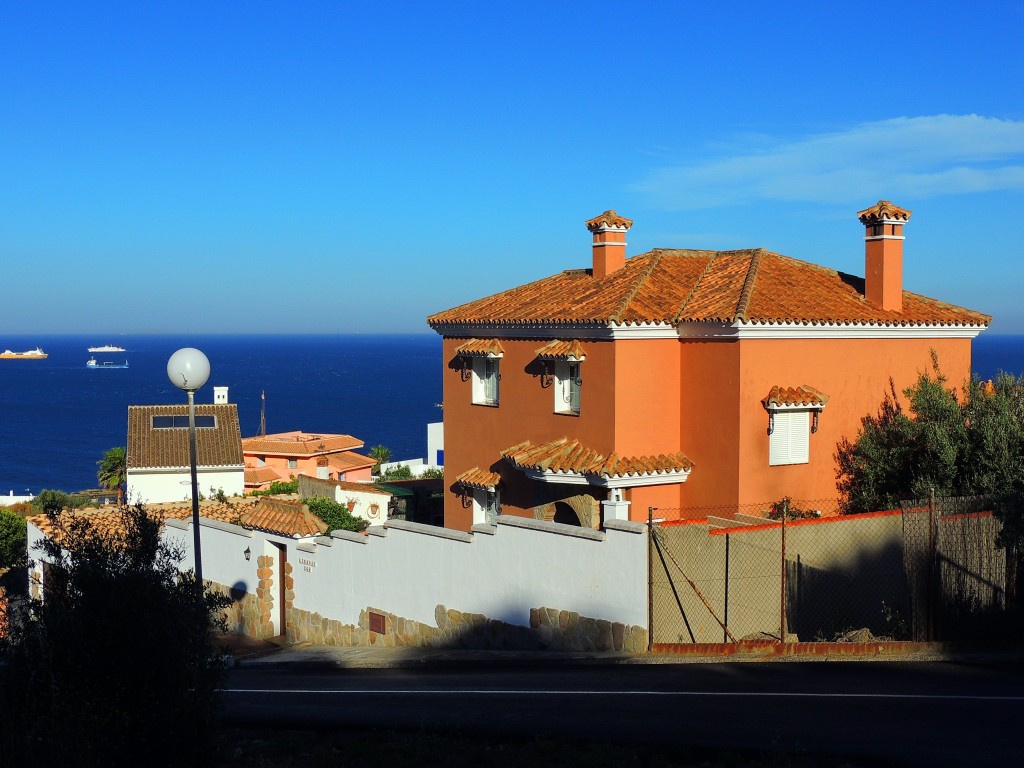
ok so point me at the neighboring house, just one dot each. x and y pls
(158, 451)
(679, 378)
(285, 455)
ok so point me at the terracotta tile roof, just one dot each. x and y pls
(480, 348)
(220, 446)
(673, 286)
(286, 516)
(562, 350)
(299, 443)
(262, 475)
(883, 209)
(478, 478)
(283, 516)
(609, 219)
(108, 521)
(349, 460)
(571, 456)
(802, 395)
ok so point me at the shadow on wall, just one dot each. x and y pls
(550, 629)
(823, 602)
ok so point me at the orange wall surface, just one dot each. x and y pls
(700, 397)
(475, 435)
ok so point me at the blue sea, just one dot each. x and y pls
(59, 416)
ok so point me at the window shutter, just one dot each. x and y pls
(790, 441)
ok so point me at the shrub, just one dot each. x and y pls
(336, 515)
(279, 487)
(116, 666)
(13, 538)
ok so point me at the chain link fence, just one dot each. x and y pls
(798, 570)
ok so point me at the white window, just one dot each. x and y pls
(293, 463)
(567, 387)
(789, 442)
(486, 375)
(486, 506)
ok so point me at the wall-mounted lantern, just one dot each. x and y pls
(247, 553)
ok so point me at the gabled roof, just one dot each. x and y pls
(149, 448)
(299, 444)
(674, 286)
(571, 456)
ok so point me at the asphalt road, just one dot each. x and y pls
(934, 714)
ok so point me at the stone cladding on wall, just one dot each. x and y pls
(550, 629)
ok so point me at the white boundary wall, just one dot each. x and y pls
(409, 569)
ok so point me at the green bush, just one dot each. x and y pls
(279, 487)
(13, 538)
(336, 515)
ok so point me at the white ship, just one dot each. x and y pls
(106, 348)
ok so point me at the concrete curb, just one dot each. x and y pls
(334, 658)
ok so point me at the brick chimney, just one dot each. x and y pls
(609, 242)
(883, 254)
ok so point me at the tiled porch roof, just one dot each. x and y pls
(804, 395)
(480, 348)
(562, 350)
(570, 456)
(478, 478)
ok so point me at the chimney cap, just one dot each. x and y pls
(883, 210)
(607, 220)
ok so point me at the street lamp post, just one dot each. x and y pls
(188, 369)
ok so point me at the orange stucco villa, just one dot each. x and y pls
(284, 455)
(679, 378)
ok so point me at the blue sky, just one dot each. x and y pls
(352, 167)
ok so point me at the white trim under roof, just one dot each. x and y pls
(721, 331)
(618, 481)
(791, 330)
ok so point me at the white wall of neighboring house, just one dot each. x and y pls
(154, 486)
(371, 504)
(435, 444)
(8, 500)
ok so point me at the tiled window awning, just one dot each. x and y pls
(567, 460)
(802, 397)
(480, 348)
(562, 350)
(478, 478)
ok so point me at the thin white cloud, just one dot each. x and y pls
(902, 157)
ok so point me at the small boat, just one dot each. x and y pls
(93, 363)
(32, 354)
(106, 348)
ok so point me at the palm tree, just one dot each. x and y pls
(381, 454)
(113, 470)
